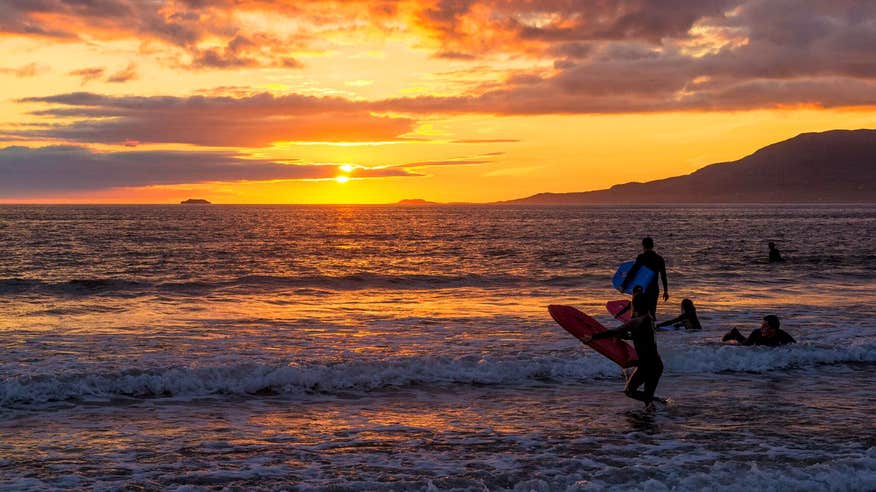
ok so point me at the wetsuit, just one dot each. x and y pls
(775, 255)
(657, 265)
(756, 338)
(689, 319)
(649, 367)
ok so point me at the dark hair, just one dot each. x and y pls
(648, 242)
(640, 304)
(772, 320)
(687, 306)
(771, 245)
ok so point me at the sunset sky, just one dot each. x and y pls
(259, 101)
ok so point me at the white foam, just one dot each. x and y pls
(574, 364)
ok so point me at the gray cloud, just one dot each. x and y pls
(252, 121)
(32, 171)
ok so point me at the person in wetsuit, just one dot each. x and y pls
(636, 290)
(655, 262)
(769, 334)
(688, 317)
(649, 367)
(775, 255)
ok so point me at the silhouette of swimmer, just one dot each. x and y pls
(649, 367)
(769, 334)
(775, 255)
(688, 317)
(655, 262)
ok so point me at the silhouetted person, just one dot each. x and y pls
(652, 260)
(649, 367)
(688, 317)
(769, 334)
(637, 289)
(775, 255)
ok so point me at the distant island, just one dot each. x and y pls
(415, 201)
(836, 166)
(195, 201)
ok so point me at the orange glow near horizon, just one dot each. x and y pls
(328, 102)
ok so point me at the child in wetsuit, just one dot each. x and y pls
(649, 367)
(688, 317)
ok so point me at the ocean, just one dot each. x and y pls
(410, 348)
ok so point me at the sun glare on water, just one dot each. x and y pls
(342, 179)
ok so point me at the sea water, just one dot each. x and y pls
(410, 348)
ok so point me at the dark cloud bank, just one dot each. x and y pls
(42, 171)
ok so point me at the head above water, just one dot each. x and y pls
(772, 245)
(648, 243)
(687, 306)
(771, 321)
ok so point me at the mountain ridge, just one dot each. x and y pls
(837, 166)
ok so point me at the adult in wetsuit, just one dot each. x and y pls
(775, 255)
(655, 262)
(688, 317)
(769, 334)
(649, 367)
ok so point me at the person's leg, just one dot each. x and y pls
(633, 384)
(733, 335)
(651, 381)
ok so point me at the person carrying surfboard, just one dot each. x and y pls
(655, 262)
(649, 368)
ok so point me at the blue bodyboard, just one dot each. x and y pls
(644, 277)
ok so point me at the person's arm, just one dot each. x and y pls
(679, 319)
(622, 311)
(631, 274)
(613, 333)
(618, 332)
(753, 338)
(787, 338)
(663, 278)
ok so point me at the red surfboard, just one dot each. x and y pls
(620, 310)
(579, 324)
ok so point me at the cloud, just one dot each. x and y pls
(125, 75)
(486, 140)
(88, 74)
(448, 162)
(33, 171)
(251, 121)
(29, 70)
(589, 56)
(460, 29)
